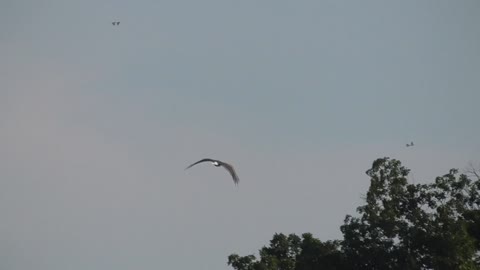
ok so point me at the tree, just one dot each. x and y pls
(473, 171)
(316, 254)
(406, 226)
(243, 263)
(292, 253)
(401, 226)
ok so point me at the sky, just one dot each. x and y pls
(98, 122)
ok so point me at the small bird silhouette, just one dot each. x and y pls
(115, 23)
(411, 144)
(218, 163)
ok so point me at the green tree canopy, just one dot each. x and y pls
(292, 253)
(400, 226)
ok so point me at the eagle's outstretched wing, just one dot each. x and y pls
(232, 172)
(200, 161)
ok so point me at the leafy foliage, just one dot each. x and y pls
(401, 226)
(292, 253)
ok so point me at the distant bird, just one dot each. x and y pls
(115, 23)
(218, 163)
(411, 144)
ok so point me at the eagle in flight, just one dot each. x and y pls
(218, 163)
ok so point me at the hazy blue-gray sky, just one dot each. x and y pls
(98, 121)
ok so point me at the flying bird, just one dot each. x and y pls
(115, 23)
(218, 163)
(411, 144)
